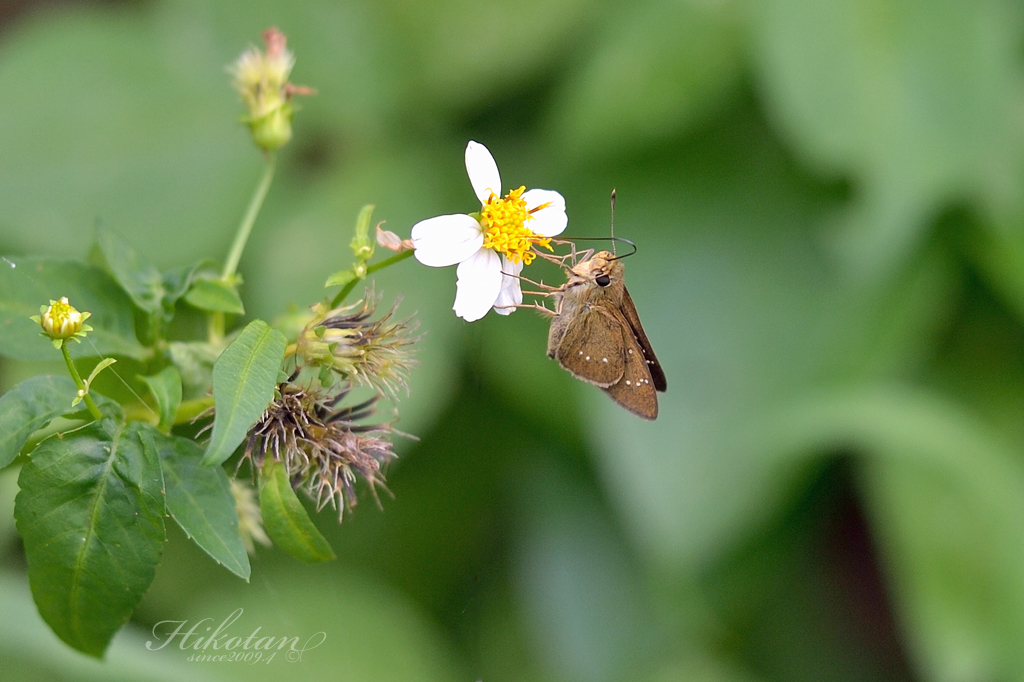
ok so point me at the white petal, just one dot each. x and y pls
(511, 293)
(478, 285)
(446, 239)
(483, 171)
(551, 219)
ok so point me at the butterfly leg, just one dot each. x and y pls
(552, 258)
(547, 288)
(533, 306)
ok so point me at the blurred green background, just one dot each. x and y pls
(828, 199)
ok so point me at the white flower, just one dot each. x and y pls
(491, 248)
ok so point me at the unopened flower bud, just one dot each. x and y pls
(361, 244)
(261, 78)
(274, 130)
(250, 519)
(60, 321)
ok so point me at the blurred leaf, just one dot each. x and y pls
(244, 380)
(200, 500)
(194, 361)
(743, 313)
(660, 67)
(125, 117)
(351, 612)
(803, 597)
(137, 276)
(214, 295)
(918, 100)
(946, 495)
(27, 283)
(701, 668)
(177, 282)
(999, 256)
(441, 65)
(588, 617)
(166, 389)
(516, 363)
(8, 491)
(954, 551)
(90, 512)
(30, 651)
(30, 406)
(286, 520)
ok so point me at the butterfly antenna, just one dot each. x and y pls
(613, 221)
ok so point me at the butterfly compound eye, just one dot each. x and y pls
(603, 280)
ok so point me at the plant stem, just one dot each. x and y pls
(215, 328)
(215, 324)
(398, 257)
(245, 228)
(83, 389)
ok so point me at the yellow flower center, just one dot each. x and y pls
(504, 221)
(61, 320)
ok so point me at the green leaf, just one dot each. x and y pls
(137, 276)
(215, 296)
(98, 369)
(30, 406)
(340, 278)
(244, 380)
(165, 386)
(177, 282)
(27, 283)
(286, 520)
(200, 500)
(918, 101)
(90, 512)
(195, 361)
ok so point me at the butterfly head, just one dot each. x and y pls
(603, 269)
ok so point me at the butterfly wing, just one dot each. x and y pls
(636, 389)
(630, 314)
(592, 347)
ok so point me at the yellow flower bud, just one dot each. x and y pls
(60, 320)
